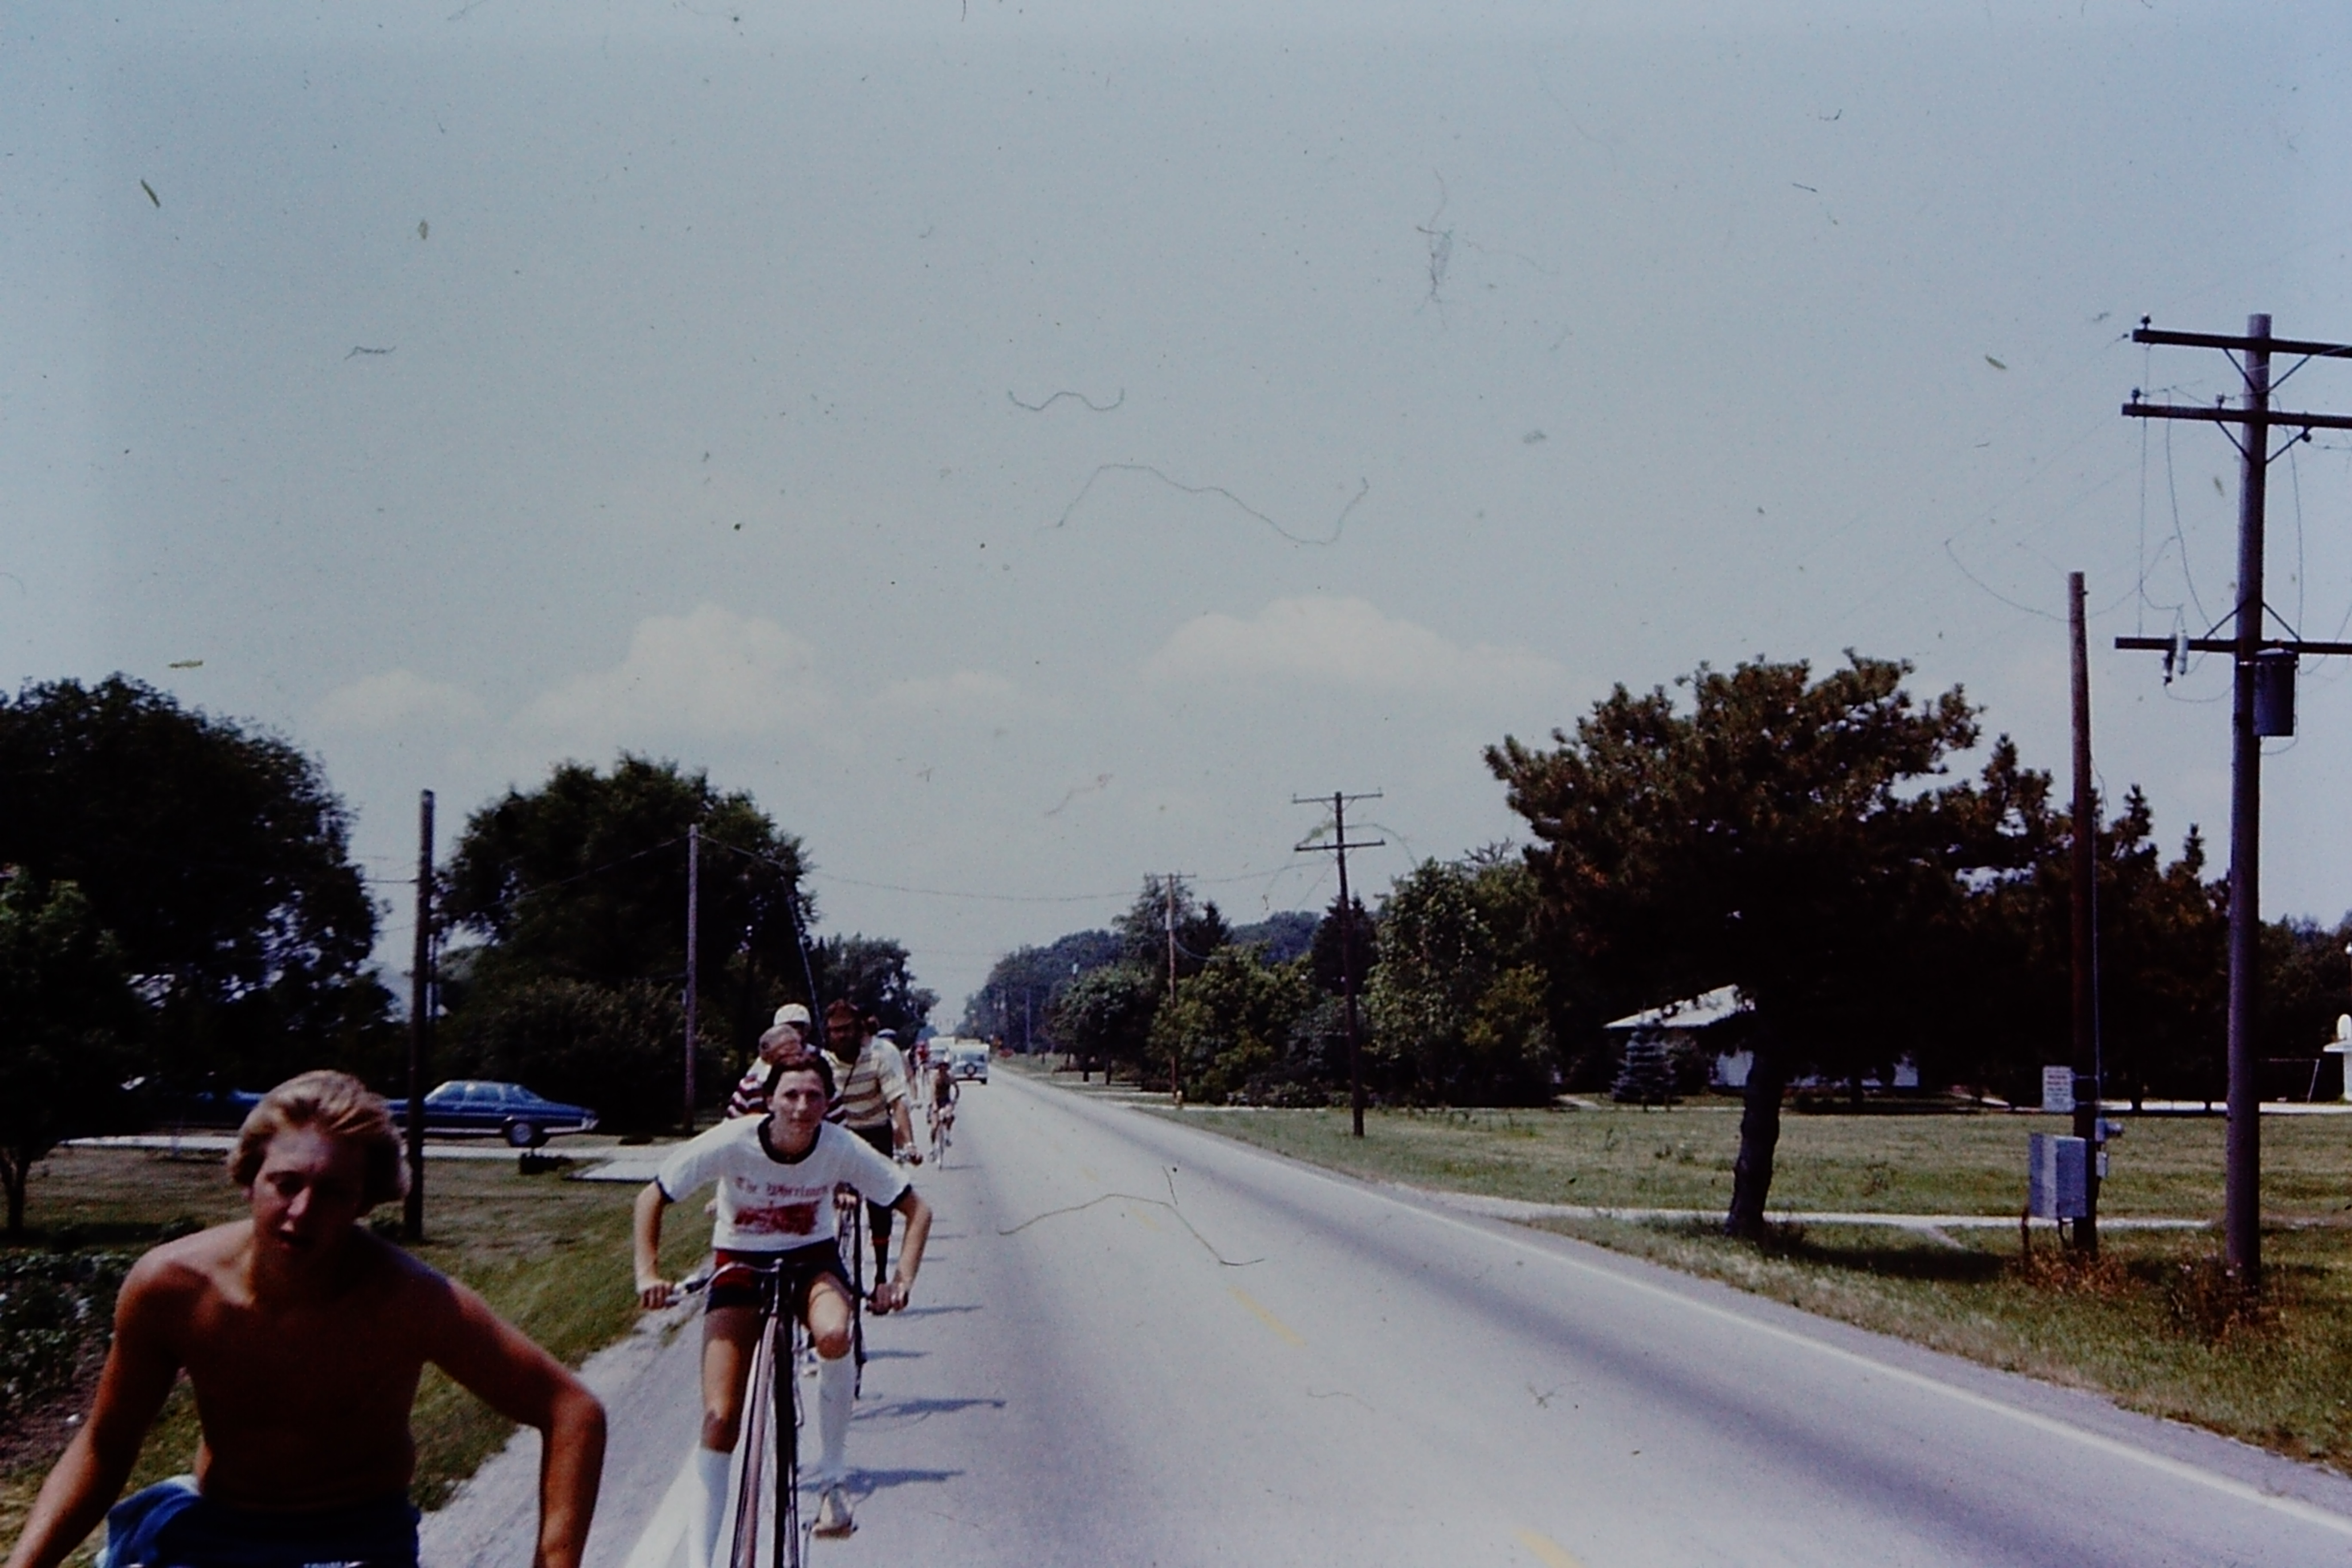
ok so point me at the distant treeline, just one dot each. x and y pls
(1800, 839)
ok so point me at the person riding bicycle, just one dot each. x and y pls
(776, 1178)
(943, 1091)
(937, 1087)
(871, 1102)
(303, 1335)
(788, 1038)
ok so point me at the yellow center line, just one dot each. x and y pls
(1268, 1319)
(1549, 1553)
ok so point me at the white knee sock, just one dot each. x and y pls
(710, 1504)
(836, 1387)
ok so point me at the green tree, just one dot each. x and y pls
(1229, 1024)
(872, 972)
(2304, 989)
(1775, 836)
(1104, 1016)
(1283, 935)
(65, 1012)
(1016, 1003)
(218, 859)
(584, 879)
(1142, 931)
(615, 1049)
(2163, 967)
(1456, 997)
(1351, 933)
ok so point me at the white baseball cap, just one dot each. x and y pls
(793, 1012)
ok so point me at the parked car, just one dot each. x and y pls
(468, 1106)
(216, 1108)
(968, 1059)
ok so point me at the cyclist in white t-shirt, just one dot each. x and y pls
(776, 1176)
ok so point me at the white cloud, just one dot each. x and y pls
(710, 674)
(1344, 642)
(396, 697)
(967, 692)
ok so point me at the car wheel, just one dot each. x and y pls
(524, 1135)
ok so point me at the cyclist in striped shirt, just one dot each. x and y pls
(787, 1039)
(870, 1101)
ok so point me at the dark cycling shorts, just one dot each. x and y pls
(172, 1525)
(735, 1282)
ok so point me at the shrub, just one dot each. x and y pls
(56, 1312)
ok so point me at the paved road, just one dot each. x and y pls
(1137, 1343)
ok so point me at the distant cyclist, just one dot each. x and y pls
(776, 1177)
(941, 1090)
(871, 1102)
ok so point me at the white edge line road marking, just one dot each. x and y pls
(2294, 1508)
(662, 1543)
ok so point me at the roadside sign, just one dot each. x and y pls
(2058, 1091)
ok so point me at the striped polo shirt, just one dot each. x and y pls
(874, 1083)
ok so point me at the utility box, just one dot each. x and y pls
(2057, 1182)
(2274, 692)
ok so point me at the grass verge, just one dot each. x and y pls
(550, 1256)
(2151, 1323)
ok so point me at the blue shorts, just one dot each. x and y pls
(172, 1525)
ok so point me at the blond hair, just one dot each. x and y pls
(339, 1105)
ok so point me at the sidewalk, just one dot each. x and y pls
(1932, 1226)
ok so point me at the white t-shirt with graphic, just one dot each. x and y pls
(767, 1203)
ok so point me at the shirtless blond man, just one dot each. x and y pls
(304, 1335)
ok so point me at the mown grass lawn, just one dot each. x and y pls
(1873, 1163)
(2152, 1324)
(548, 1254)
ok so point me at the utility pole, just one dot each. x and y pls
(2088, 1091)
(693, 942)
(1339, 847)
(420, 1024)
(1175, 1084)
(2264, 668)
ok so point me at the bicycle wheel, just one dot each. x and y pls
(784, 1394)
(758, 1439)
(858, 1291)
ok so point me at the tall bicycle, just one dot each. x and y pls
(769, 1445)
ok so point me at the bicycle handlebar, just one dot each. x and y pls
(700, 1279)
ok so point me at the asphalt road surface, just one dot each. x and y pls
(1137, 1343)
